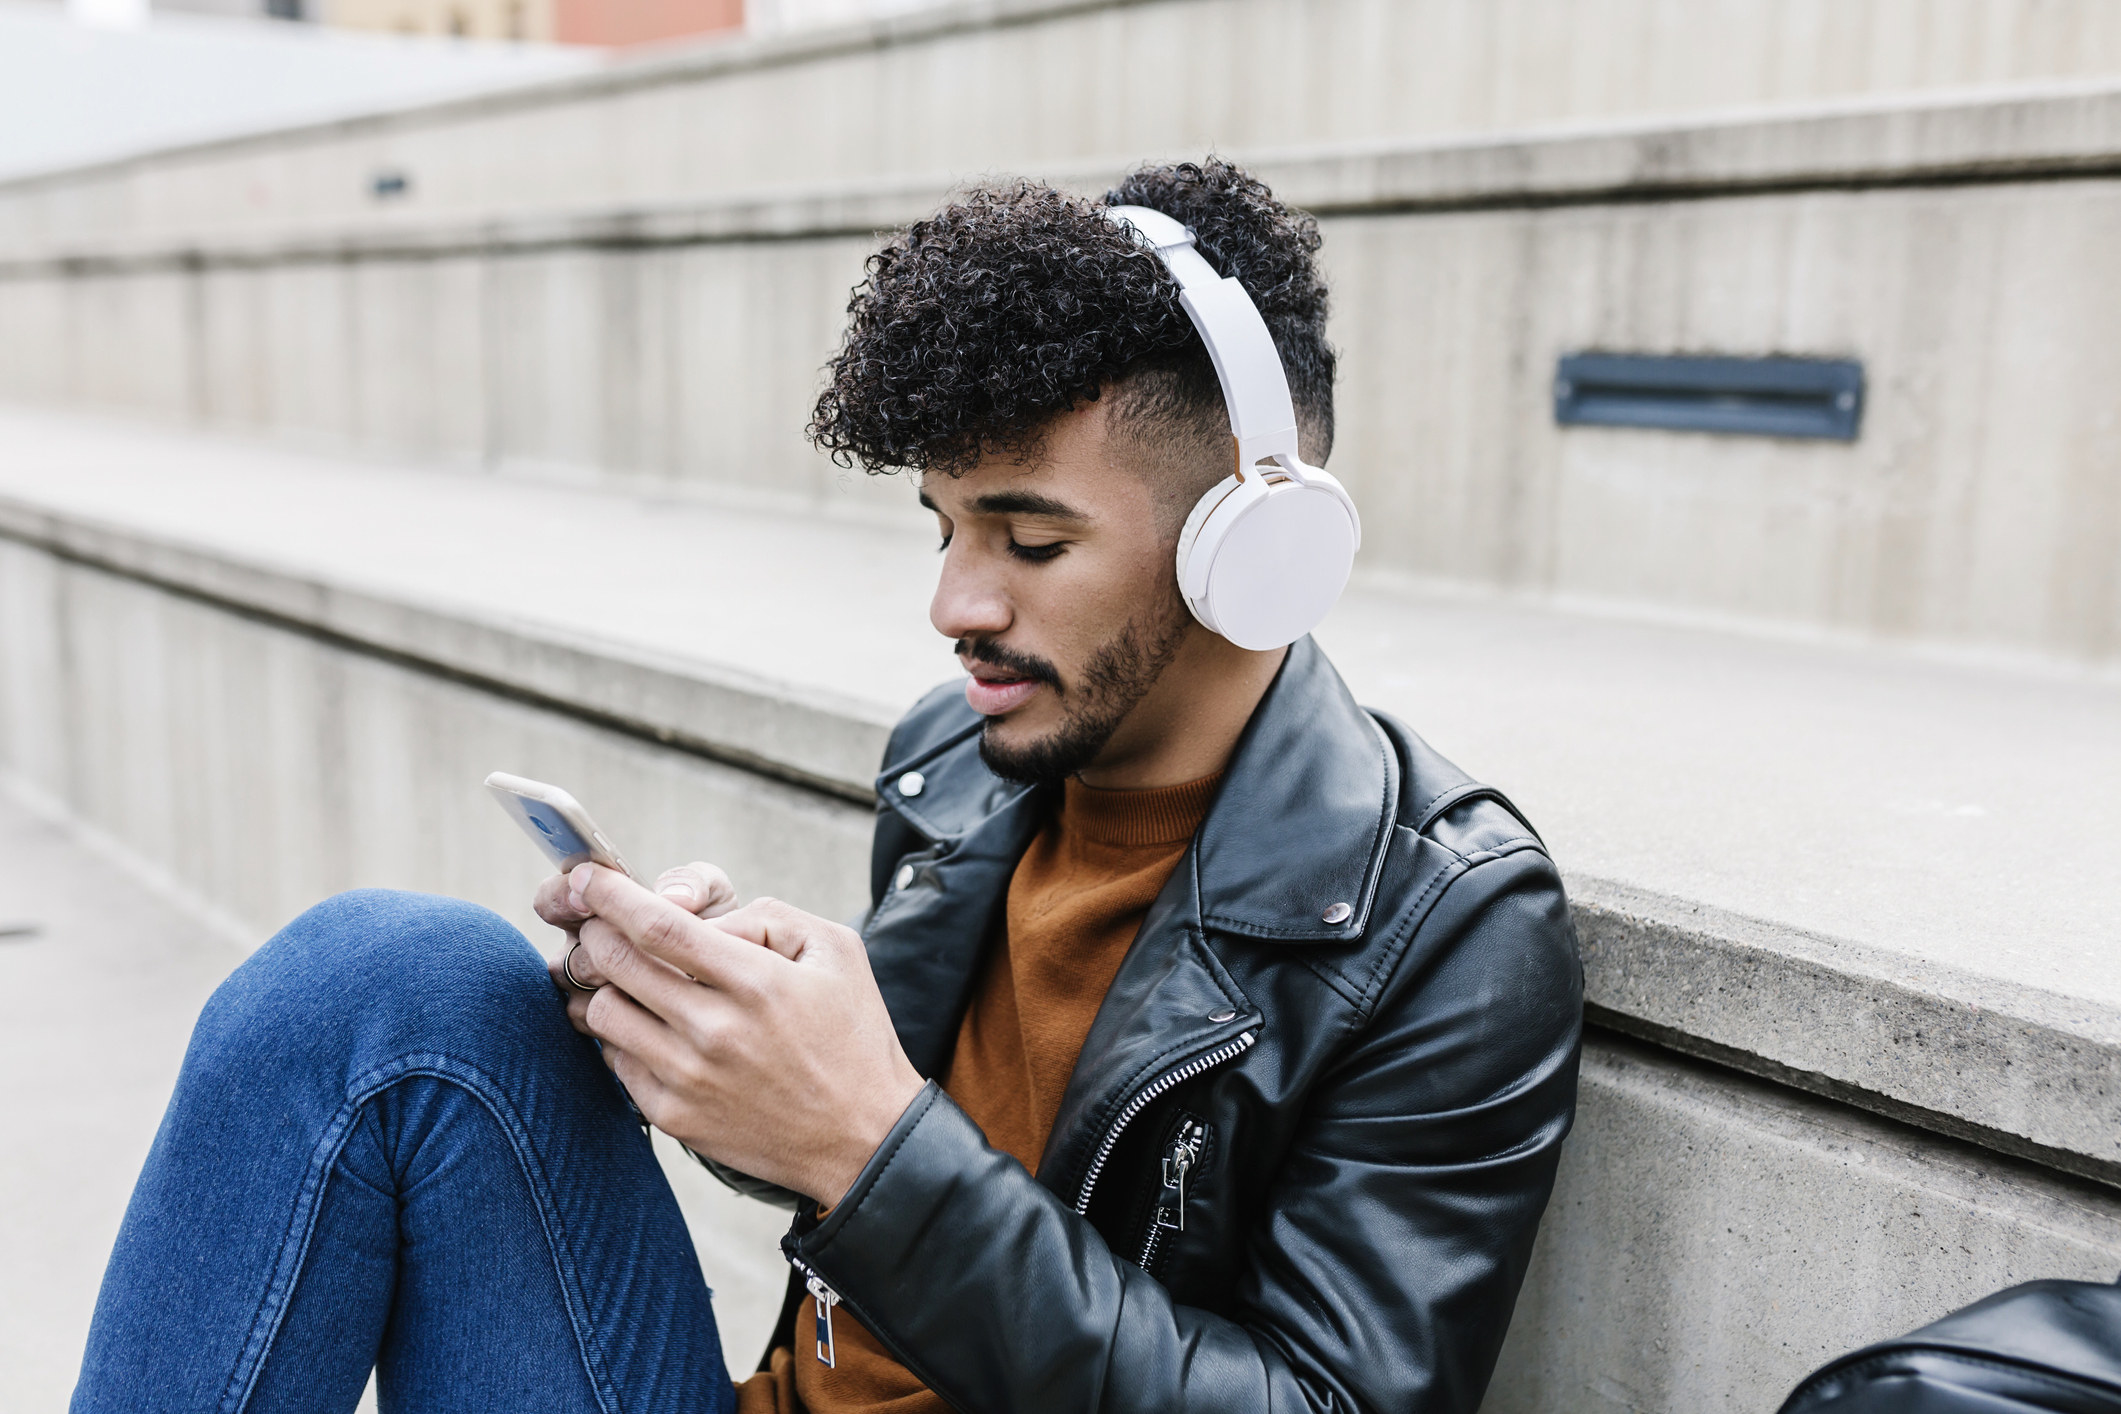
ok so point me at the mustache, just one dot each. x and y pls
(1024, 665)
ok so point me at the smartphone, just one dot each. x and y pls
(556, 823)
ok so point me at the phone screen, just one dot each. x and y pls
(561, 839)
(554, 820)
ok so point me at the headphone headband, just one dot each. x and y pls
(1262, 557)
(1255, 387)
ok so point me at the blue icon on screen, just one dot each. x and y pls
(560, 835)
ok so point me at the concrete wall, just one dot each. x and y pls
(684, 364)
(1981, 506)
(1711, 1239)
(636, 275)
(264, 769)
(1032, 84)
(254, 771)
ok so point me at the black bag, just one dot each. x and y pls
(2047, 1345)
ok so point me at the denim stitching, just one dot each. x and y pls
(301, 1225)
(272, 1303)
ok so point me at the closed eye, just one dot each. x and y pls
(1038, 554)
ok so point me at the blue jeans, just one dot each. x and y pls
(388, 1150)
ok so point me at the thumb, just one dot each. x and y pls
(702, 890)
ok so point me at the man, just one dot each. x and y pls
(1209, 1042)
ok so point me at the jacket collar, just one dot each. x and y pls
(1304, 816)
(1301, 823)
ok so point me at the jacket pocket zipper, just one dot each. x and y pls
(1227, 1051)
(1179, 1160)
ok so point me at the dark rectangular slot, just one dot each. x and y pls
(1761, 397)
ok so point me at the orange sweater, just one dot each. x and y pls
(1075, 902)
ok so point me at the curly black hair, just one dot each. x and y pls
(974, 328)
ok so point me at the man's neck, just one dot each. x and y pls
(1188, 724)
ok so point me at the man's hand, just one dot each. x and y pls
(759, 1039)
(700, 889)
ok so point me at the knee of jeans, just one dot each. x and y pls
(383, 971)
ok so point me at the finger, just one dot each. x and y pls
(621, 1022)
(697, 1014)
(583, 963)
(578, 1011)
(702, 890)
(551, 903)
(663, 931)
(784, 928)
(672, 995)
(649, 1095)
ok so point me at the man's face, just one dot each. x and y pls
(1057, 585)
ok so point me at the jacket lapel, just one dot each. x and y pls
(927, 936)
(1301, 824)
(1172, 1000)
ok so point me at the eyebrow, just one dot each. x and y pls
(1016, 503)
(1025, 503)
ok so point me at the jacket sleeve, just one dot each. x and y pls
(1383, 1267)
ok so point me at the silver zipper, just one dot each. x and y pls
(1135, 1106)
(1178, 1162)
(826, 1298)
(1154, 1240)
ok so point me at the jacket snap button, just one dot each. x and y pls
(912, 783)
(905, 875)
(1339, 913)
(1218, 1017)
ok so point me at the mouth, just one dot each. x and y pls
(1002, 679)
(994, 691)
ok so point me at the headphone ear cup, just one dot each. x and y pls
(1193, 581)
(1268, 560)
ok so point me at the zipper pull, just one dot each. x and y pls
(826, 1298)
(1178, 1162)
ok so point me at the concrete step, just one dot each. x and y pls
(1886, 876)
(266, 676)
(625, 303)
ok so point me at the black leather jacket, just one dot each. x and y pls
(1307, 1143)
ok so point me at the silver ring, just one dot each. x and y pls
(567, 968)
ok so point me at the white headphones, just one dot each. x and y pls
(1266, 552)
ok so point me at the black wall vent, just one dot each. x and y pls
(1763, 397)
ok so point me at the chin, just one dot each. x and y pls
(1040, 758)
(1025, 728)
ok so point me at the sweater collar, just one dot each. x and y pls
(1136, 819)
(1292, 846)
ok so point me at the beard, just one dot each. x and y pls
(1117, 676)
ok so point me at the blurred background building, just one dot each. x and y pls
(1728, 387)
(604, 23)
(600, 23)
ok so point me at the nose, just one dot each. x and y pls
(968, 599)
